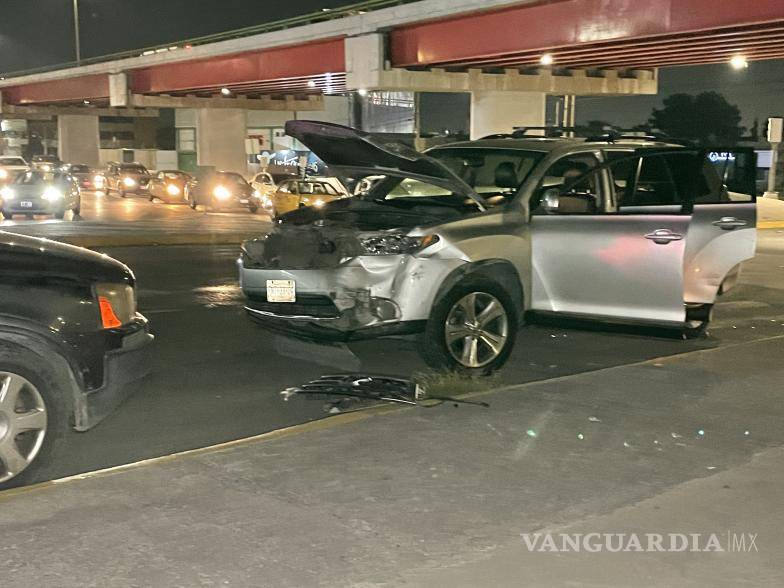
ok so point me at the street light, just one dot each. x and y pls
(546, 59)
(76, 31)
(739, 62)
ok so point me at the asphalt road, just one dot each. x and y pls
(107, 218)
(217, 376)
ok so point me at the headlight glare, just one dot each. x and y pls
(129, 182)
(7, 194)
(394, 243)
(172, 190)
(221, 193)
(3, 174)
(52, 194)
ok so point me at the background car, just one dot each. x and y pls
(265, 183)
(46, 163)
(71, 344)
(10, 167)
(82, 173)
(169, 186)
(38, 192)
(294, 194)
(221, 190)
(126, 178)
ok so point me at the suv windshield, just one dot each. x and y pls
(489, 171)
(494, 174)
(79, 169)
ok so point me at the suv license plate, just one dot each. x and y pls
(26, 204)
(281, 291)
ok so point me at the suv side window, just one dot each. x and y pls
(654, 186)
(569, 179)
(656, 179)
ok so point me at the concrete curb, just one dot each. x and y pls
(339, 420)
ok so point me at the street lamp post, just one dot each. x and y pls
(76, 31)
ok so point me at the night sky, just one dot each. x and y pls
(35, 33)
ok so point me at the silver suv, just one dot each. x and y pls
(460, 244)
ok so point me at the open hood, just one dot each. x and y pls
(349, 153)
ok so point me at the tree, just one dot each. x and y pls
(706, 118)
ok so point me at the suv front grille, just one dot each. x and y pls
(313, 305)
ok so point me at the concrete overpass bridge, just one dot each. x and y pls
(508, 55)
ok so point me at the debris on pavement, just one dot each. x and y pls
(349, 391)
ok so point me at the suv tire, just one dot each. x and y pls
(19, 363)
(453, 310)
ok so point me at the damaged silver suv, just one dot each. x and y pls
(460, 244)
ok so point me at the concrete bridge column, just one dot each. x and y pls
(500, 111)
(220, 138)
(78, 139)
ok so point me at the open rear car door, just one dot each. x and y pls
(723, 229)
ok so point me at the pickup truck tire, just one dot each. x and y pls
(447, 315)
(36, 389)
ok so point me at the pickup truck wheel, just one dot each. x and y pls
(471, 330)
(33, 418)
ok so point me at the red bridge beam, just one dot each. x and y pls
(567, 23)
(92, 87)
(243, 68)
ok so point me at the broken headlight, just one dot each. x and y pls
(394, 243)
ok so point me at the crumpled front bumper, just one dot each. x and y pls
(367, 294)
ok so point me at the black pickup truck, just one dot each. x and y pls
(71, 346)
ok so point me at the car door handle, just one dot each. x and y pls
(663, 236)
(729, 223)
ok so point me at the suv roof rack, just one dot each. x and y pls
(611, 135)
